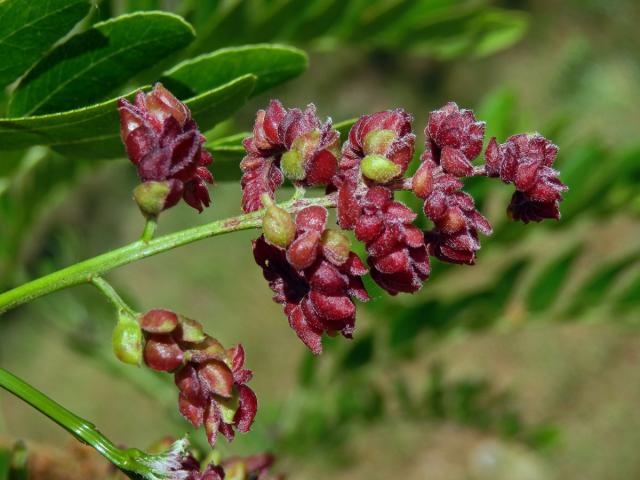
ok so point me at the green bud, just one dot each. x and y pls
(127, 340)
(378, 141)
(336, 246)
(192, 330)
(151, 197)
(236, 471)
(379, 169)
(228, 406)
(292, 165)
(277, 225)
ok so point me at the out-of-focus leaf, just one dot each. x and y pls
(271, 64)
(630, 296)
(497, 30)
(546, 286)
(498, 111)
(359, 354)
(596, 287)
(19, 469)
(28, 29)
(5, 461)
(90, 65)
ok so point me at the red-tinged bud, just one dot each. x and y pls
(217, 378)
(287, 142)
(454, 139)
(164, 143)
(159, 321)
(377, 142)
(127, 340)
(191, 331)
(302, 253)
(277, 225)
(154, 197)
(422, 182)
(229, 407)
(336, 246)
(162, 353)
(379, 168)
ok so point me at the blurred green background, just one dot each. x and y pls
(521, 367)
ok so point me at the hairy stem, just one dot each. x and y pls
(87, 270)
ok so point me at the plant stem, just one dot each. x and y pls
(78, 427)
(149, 229)
(135, 463)
(109, 292)
(87, 270)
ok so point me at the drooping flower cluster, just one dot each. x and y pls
(211, 379)
(164, 143)
(527, 161)
(453, 140)
(379, 150)
(361, 179)
(291, 143)
(315, 277)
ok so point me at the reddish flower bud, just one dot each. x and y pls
(454, 237)
(210, 378)
(312, 279)
(159, 321)
(383, 134)
(454, 139)
(526, 161)
(291, 141)
(163, 141)
(162, 353)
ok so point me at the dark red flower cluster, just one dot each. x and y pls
(397, 253)
(372, 165)
(453, 140)
(315, 278)
(190, 470)
(527, 161)
(291, 143)
(211, 379)
(164, 143)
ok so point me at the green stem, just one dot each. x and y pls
(87, 270)
(109, 292)
(149, 229)
(78, 427)
(133, 462)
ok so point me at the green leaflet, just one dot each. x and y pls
(28, 28)
(94, 131)
(272, 64)
(92, 64)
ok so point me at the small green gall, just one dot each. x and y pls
(379, 169)
(191, 331)
(127, 340)
(377, 142)
(277, 224)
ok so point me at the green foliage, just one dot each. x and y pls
(92, 64)
(29, 28)
(13, 462)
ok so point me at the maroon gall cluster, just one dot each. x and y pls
(165, 145)
(316, 286)
(211, 379)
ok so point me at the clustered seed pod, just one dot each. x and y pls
(164, 143)
(211, 379)
(316, 278)
(362, 176)
(291, 143)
